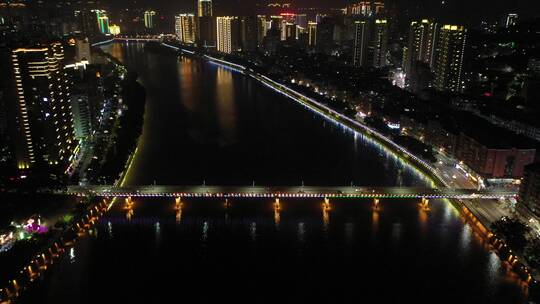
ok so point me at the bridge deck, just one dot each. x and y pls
(288, 191)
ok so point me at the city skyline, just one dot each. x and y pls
(450, 11)
(213, 150)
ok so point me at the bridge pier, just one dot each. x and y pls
(376, 203)
(277, 209)
(425, 203)
(227, 203)
(16, 288)
(178, 203)
(326, 213)
(31, 273)
(326, 204)
(128, 203)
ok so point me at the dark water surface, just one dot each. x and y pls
(208, 124)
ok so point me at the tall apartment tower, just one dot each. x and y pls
(149, 19)
(249, 33)
(312, 33)
(263, 25)
(380, 43)
(102, 21)
(361, 44)
(186, 28)
(422, 44)
(511, 20)
(206, 24)
(366, 8)
(449, 63)
(87, 22)
(44, 131)
(227, 34)
(82, 50)
(204, 8)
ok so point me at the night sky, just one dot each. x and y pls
(459, 11)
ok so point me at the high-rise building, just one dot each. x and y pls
(15, 15)
(263, 26)
(449, 63)
(104, 25)
(288, 31)
(301, 20)
(249, 33)
(421, 45)
(186, 28)
(149, 19)
(312, 31)
(325, 34)
(44, 133)
(362, 8)
(82, 51)
(227, 34)
(102, 21)
(277, 22)
(206, 25)
(361, 44)
(380, 43)
(378, 7)
(366, 8)
(204, 8)
(87, 22)
(511, 20)
(529, 191)
(81, 116)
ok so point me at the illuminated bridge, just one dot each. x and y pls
(288, 192)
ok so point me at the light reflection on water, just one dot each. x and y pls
(390, 239)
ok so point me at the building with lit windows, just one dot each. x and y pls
(81, 116)
(448, 66)
(378, 7)
(206, 24)
(204, 8)
(263, 26)
(361, 43)
(186, 28)
(511, 20)
(276, 22)
(312, 33)
(227, 34)
(529, 191)
(87, 22)
(380, 43)
(421, 45)
(82, 51)
(288, 31)
(366, 8)
(44, 122)
(362, 8)
(326, 28)
(149, 19)
(301, 20)
(102, 21)
(249, 33)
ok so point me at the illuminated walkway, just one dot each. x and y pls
(287, 192)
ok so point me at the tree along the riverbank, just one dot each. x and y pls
(513, 231)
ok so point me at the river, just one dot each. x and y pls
(206, 124)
